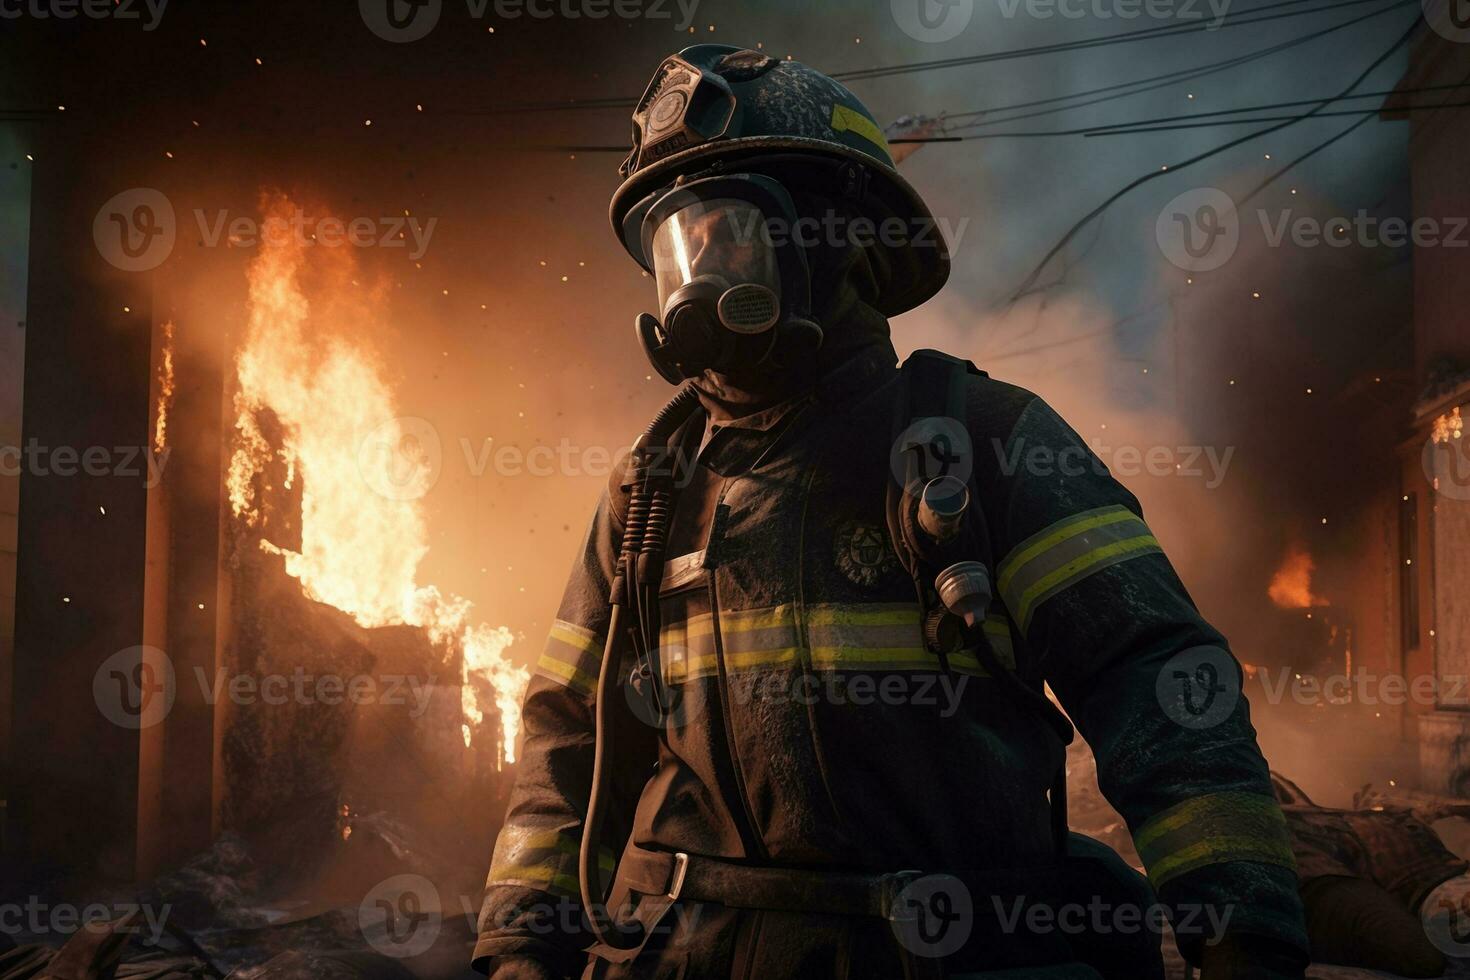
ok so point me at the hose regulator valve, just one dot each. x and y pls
(942, 507)
(964, 588)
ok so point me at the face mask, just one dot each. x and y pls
(733, 290)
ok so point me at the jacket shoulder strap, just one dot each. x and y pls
(935, 384)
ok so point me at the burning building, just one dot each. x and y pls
(1433, 506)
(279, 670)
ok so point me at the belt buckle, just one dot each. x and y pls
(676, 881)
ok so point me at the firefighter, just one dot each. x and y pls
(812, 765)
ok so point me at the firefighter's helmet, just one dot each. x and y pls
(719, 107)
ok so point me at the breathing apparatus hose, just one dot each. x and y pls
(640, 559)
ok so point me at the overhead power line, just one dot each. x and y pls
(1192, 116)
(1258, 15)
(1173, 168)
(1244, 19)
(1365, 113)
(1110, 93)
(1163, 124)
(1196, 120)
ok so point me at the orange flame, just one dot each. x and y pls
(363, 530)
(1291, 586)
(165, 389)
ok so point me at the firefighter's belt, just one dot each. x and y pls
(662, 878)
(705, 879)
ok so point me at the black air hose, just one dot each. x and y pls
(645, 531)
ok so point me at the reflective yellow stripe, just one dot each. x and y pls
(1219, 850)
(896, 658)
(852, 121)
(1055, 534)
(543, 859)
(1075, 571)
(578, 637)
(831, 637)
(1065, 553)
(566, 674)
(571, 657)
(748, 620)
(1214, 829)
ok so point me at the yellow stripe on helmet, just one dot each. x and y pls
(846, 120)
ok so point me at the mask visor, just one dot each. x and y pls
(723, 242)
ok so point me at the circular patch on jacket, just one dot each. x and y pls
(862, 553)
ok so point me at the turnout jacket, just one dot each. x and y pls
(812, 728)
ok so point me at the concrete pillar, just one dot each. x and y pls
(80, 542)
(15, 202)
